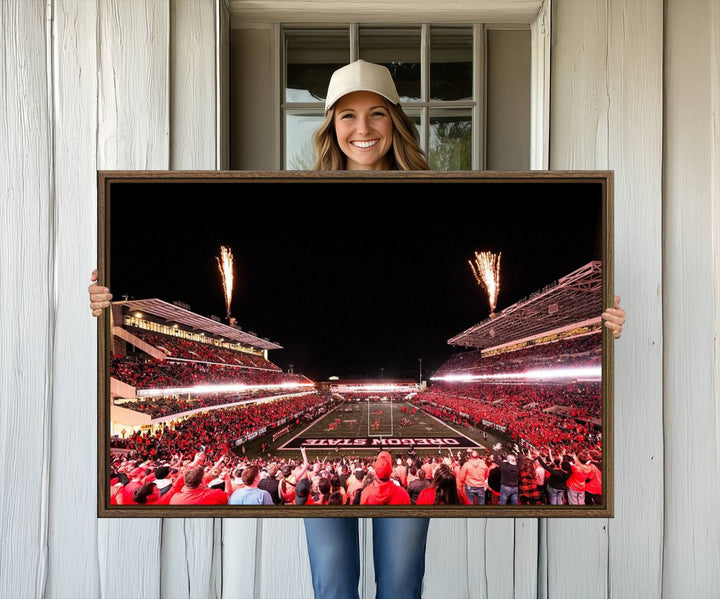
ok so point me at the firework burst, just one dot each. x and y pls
(225, 265)
(486, 269)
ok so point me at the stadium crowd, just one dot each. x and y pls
(216, 430)
(159, 407)
(523, 412)
(568, 352)
(179, 347)
(507, 475)
(142, 372)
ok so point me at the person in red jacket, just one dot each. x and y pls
(196, 493)
(581, 472)
(593, 487)
(384, 491)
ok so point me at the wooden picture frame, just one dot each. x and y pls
(352, 242)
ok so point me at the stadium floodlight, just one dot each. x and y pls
(544, 374)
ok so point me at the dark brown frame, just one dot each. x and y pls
(106, 180)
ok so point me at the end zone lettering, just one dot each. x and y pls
(334, 442)
(423, 441)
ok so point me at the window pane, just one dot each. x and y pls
(450, 145)
(451, 63)
(398, 50)
(415, 117)
(311, 57)
(299, 151)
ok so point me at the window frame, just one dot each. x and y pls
(423, 107)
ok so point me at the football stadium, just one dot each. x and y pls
(523, 386)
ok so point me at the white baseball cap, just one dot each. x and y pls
(361, 76)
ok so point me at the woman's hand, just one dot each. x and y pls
(99, 296)
(615, 318)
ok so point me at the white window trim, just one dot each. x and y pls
(537, 15)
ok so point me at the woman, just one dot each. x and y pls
(364, 128)
(444, 489)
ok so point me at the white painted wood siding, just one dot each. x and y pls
(606, 113)
(90, 84)
(691, 300)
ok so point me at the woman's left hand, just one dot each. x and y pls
(615, 318)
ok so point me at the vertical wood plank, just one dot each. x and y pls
(635, 89)
(283, 566)
(190, 565)
(489, 553)
(578, 98)
(540, 88)
(526, 557)
(222, 61)
(577, 550)
(607, 114)
(27, 315)
(477, 563)
(240, 557)
(193, 85)
(73, 564)
(133, 124)
(187, 556)
(446, 559)
(692, 306)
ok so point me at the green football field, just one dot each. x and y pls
(363, 428)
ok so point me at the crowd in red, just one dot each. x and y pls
(143, 372)
(554, 455)
(562, 353)
(517, 410)
(178, 347)
(463, 479)
(159, 407)
(216, 430)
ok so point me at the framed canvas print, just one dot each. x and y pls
(311, 344)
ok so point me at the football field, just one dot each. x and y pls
(361, 427)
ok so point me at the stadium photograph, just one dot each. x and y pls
(337, 348)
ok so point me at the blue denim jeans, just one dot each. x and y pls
(473, 492)
(508, 495)
(398, 556)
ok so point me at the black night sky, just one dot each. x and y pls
(354, 280)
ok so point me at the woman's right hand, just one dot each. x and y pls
(99, 296)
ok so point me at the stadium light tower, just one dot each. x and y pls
(420, 381)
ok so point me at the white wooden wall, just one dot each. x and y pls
(120, 84)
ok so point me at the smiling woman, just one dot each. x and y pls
(365, 128)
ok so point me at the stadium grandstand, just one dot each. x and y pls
(169, 364)
(560, 308)
(191, 392)
(532, 371)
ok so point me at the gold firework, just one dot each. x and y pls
(486, 269)
(225, 264)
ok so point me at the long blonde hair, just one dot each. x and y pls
(405, 154)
